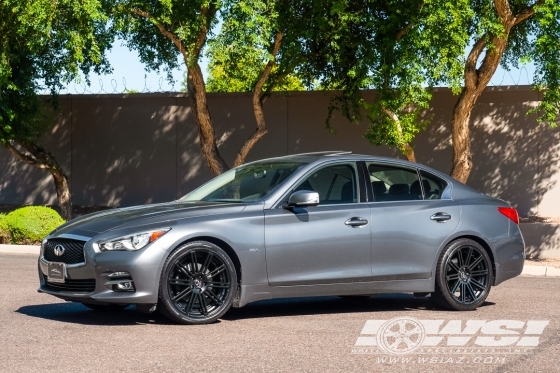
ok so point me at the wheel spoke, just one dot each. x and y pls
(460, 258)
(455, 287)
(469, 256)
(182, 294)
(219, 285)
(179, 282)
(183, 269)
(476, 262)
(190, 304)
(203, 308)
(471, 290)
(218, 270)
(453, 277)
(463, 293)
(212, 296)
(479, 272)
(478, 284)
(194, 261)
(206, 263)
(453, 266)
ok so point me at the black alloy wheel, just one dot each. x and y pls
(463, 276)
(198, 284)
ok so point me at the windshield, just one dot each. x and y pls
(245, 183)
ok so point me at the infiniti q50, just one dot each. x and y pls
(329, 223)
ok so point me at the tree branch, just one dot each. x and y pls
(527, 13)
(26, 157)
(168, 34)
(258, 104)
(402, 32)
(471, 75)
(406, 148)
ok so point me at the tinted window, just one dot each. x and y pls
(393, 183)
(433, 186)
(335, 184)
(245, 183)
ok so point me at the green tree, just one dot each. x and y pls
(160, 30)
(400, 48)
(507, 32)
(43, 44)
(254, 52)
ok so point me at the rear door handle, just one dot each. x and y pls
(356, 222)
(440, 217)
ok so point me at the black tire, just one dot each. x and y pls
(106, 307)
(463, 276)
(198, 284)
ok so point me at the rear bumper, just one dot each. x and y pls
(509, 255)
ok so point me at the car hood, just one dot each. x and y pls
(93, 224)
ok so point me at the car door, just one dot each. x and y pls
(328, 243)
(411, 216)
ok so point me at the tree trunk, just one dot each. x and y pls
(38, 157)
(197, 96)
(196, 87)
(476, 80)
(258, 100)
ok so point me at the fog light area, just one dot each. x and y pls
(120, 282)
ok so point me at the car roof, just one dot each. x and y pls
(318, 157)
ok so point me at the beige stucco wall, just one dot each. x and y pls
(123, 150)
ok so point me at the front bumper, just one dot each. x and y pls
(94, 280)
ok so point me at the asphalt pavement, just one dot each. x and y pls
(516, 330)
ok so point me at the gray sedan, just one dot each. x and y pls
(329, 223)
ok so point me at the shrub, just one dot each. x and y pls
(4, 232)
(29, 225)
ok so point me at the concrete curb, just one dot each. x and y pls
(20, 249)
(527, 270)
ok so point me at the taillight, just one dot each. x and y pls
(510, 212)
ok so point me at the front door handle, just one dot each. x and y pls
(440, 217)
(356, 222)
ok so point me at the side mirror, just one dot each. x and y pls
(303, 198)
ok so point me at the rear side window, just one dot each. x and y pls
(433, 185)
(394, 183)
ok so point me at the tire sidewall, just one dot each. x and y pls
(167, 305)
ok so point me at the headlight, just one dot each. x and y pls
(132, 243)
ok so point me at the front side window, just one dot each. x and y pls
(394, 183)
(335, 184)
(246, 183)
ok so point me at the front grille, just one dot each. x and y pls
(73, 251)
(76, 286)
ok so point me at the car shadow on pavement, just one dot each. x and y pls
(332, 305)
(78, 314)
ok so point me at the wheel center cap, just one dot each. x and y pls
(464, 274)
(198, 283)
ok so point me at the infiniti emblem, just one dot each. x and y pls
(59, 250)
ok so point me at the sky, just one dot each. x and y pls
(129, 74)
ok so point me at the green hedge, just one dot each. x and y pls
(29, 225)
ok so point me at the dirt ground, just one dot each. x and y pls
(543, 262)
